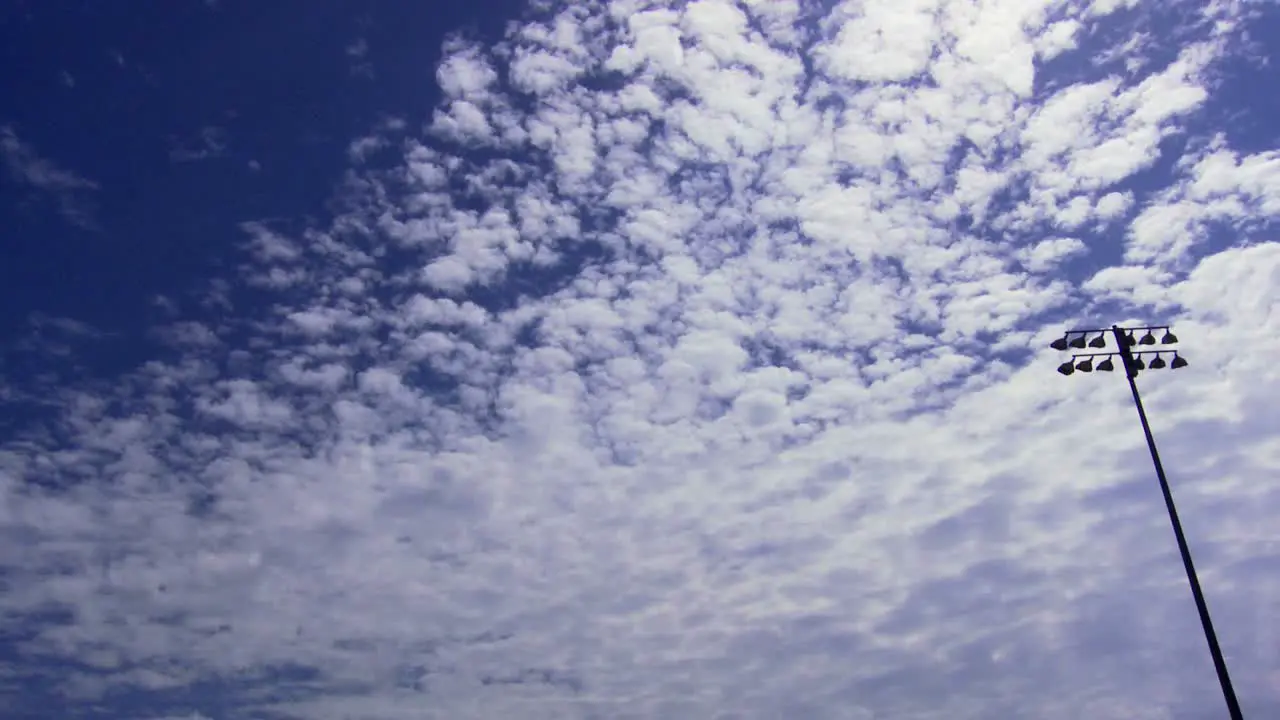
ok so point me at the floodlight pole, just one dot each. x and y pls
(1219, 663)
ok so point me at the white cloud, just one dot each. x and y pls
(883, 41)
(1217, 187)
(1047, 254)
(1113, 205)
(718, 391)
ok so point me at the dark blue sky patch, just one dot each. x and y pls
(272, 84)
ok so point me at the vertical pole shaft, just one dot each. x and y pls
(1219, 663)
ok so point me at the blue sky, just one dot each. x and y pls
(632, 359)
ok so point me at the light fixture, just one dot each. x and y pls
(1178, 362)
(1148, 339)
(1078, 342)
(1098, 342)
(1138, 364)
(1128, 338)
(1059, 344)
(1106, 365)
(1157, 364)
(1169, 338)
(1085, 365)
(1067, 368)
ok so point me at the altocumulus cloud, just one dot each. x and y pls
(687, 364)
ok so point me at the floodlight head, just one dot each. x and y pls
(1128, 338)
(1148, 339)
(1066, 368)
(1098, 342)
(1078, 342)
(1178, 362)
(1157, 364)
(1085, 365)
(1138, 364)
(1059, 344)
(1106, 365)
(1169, 338)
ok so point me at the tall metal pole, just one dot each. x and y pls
(1219, 663)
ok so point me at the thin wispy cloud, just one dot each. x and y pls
(211, 142)
(358, 54)
(31, 172)
(690, 362)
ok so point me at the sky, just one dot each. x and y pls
(633, 358)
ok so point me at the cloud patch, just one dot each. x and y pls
(27, 169)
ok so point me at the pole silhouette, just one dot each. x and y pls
(1133, 364)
